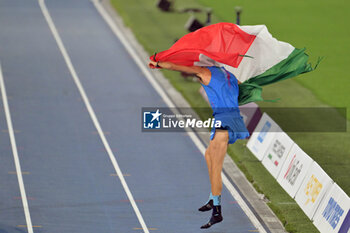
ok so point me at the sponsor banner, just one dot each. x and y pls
(332, 211)
(294, 170)
(315, 185)
(277, 153)
(262, 136)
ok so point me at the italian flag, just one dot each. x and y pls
(249, 52)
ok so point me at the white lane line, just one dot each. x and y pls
(15, 155)
(91, 112)
(170, 104)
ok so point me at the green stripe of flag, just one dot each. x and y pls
(296, 63)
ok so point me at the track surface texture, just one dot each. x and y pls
(71, 183)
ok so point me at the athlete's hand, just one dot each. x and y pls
(161, 64)
(152, 64)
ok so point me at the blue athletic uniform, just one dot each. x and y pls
(222, 92)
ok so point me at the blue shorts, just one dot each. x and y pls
(233, 123)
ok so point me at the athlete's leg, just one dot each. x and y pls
(218, 149)
(217, 152)
(209, 205)
(208, 160)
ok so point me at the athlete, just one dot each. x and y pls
(222, 90)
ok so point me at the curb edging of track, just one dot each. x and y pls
(235, 176)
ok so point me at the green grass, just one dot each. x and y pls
(299, 23)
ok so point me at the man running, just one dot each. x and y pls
(255, 57)
(222, 90)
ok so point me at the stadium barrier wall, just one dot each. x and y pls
(322, 200)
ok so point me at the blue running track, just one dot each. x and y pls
(70, 182)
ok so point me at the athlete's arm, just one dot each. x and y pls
(203, 73)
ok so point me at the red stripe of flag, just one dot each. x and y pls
(223, 42)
